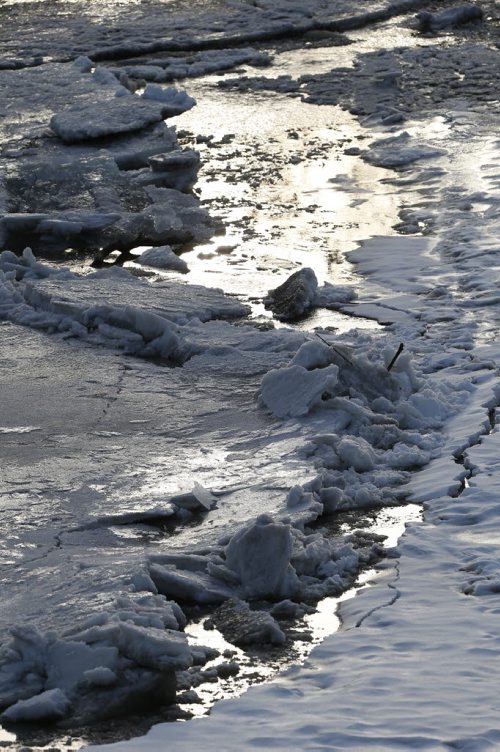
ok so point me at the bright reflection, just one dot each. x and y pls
(323, 622)
(5, 736)
(288, 197)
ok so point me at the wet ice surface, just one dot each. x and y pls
(100, 497)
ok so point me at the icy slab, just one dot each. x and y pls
(408, 258)
(398, 152)
(199, 64)
(121, 114)
(450, 17)
(173, 301)
(334, 296)
(111, 307)
(163, 257)
(199, 499)
(294, 391)
(93, 188)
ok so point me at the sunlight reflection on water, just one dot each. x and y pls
(322, 623)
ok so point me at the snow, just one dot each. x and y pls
(165, 451)
(294, 391)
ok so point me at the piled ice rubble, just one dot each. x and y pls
(366, 428)
(111, 664)
(110, 175)
(381, 424)
(266, 560)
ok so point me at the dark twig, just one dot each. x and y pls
(398, 353)
(334, 349)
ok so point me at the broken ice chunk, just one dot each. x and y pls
(178, 169)
(294, 391)
(199, 499)
(118, 115)
(187, 586)
(163, 257)
(47, 706)
(173, 101)
(259, 555)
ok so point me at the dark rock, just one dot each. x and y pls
(242, 626)
(293, 298)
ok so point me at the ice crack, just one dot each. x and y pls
(395, 597)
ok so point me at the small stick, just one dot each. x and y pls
(398, 353)
(334, 349)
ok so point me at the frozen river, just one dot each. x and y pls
(191, 477)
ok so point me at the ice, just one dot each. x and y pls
(334, 296)
(93, 188)
(47, 706)
(179, 169)
(188, 586)
(207, 61)
(265, 560)
(295, 391)
(450, 17)
(356, 453)
(126, 655)
(101, 676)
(122, 113)
(199, 499)
(260, 556)
(397, 153)
(175, 101)
(78, 308)
(163, 257)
